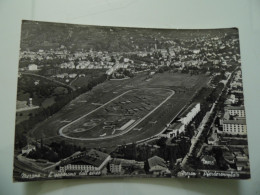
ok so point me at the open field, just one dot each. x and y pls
(93, 120)
(43, 93)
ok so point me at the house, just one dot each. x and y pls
(208, 160)
(82, 75)
(126, 60)
(241, 165)
(36, 82)
(73, 75)
(211, 140)
(69, 65)
(172, 53)
(115, 166)
(196, 51)
(81, 66)
(61, 76)
(27, 149)
(151, 73)
(119, 165)
(229, 157)
(174, 129)
(236, 110)
(242, 158)
(157, 165)
(32, 67)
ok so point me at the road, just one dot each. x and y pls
(202, 124)
(49, 79)
(119, 134)
(27, 168)
(74, 80)
(196, 137)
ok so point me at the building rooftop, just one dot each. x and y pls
(116, 161)
(235, 108)
(242, 164)
(93, 157)
(208, 158)
(176, 125)
(240, 122)
(28, 147)
(156, 160)
(211, 139)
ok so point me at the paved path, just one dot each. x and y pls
(74, 80)
(27, 108)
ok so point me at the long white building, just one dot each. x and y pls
(235, 127)
(92, 161)
(187, 116)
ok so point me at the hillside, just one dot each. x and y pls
(45, 35)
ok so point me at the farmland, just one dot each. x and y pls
(120, 112)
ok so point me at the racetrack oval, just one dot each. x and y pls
(63, 131)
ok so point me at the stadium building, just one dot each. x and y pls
(93, 161)
(187, 116)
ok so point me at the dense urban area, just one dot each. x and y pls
(108, 101)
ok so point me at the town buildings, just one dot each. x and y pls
(120, 166)
(238, 111)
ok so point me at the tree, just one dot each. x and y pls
(161, 142)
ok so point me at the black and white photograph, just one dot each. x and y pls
(105, 101)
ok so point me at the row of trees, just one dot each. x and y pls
(44, 89)
(54, 152)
